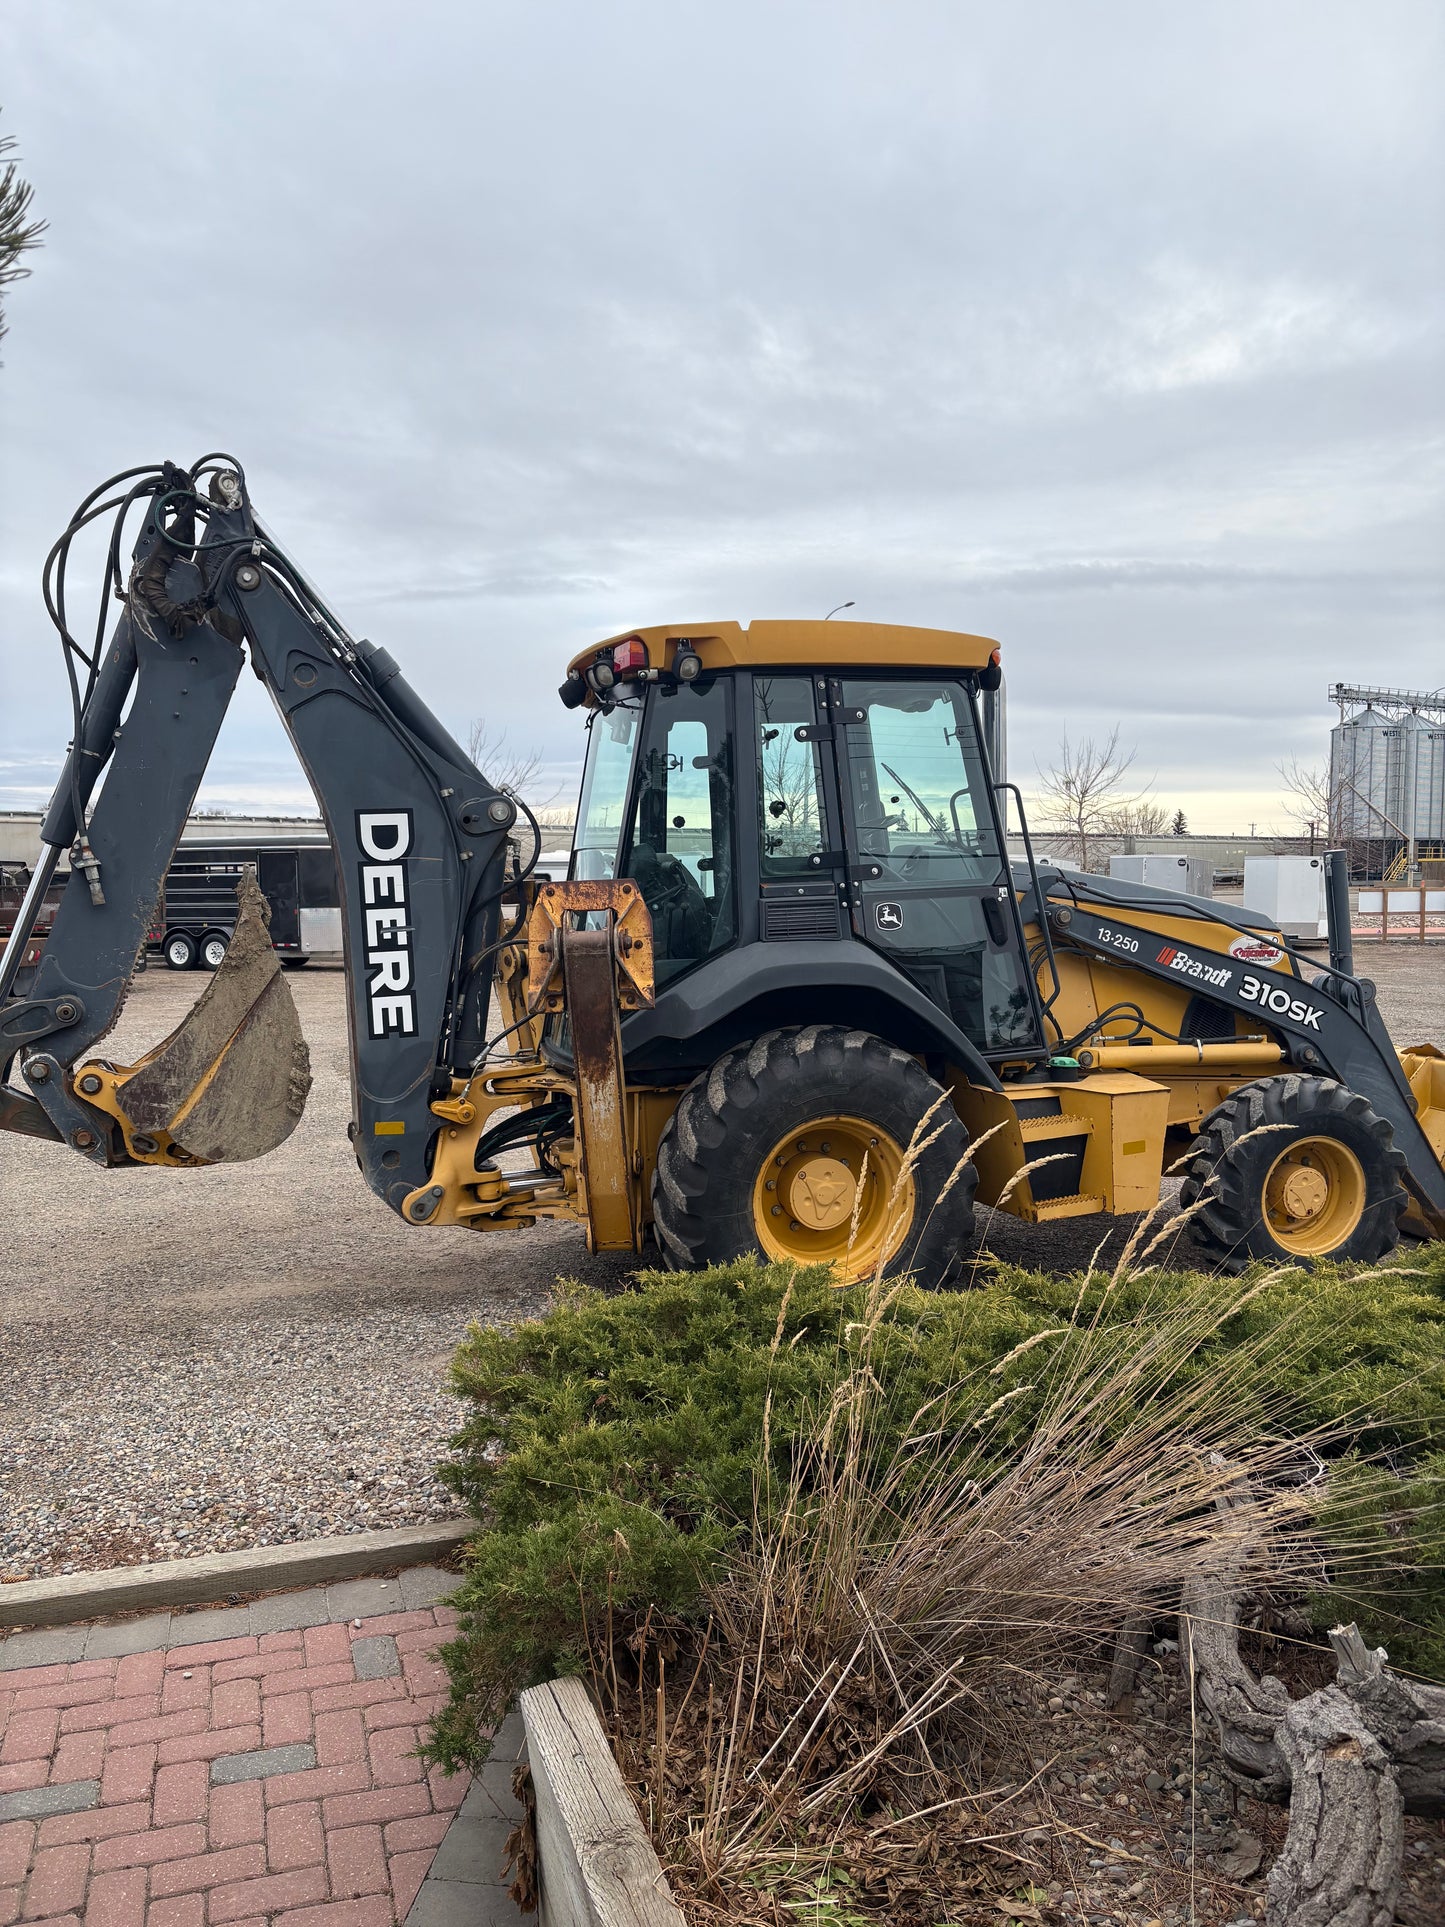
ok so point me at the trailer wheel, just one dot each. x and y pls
(796, 1148)
(180, 950)
(1302, 1169)
(213, 949)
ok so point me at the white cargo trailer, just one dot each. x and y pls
(1193, 875)
(1290, 891)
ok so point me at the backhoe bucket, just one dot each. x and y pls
(230, 1083)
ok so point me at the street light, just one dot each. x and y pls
(833, 612)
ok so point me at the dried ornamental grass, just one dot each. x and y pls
(857, 1645)
(612, 1448)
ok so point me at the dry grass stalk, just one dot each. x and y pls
(854, 1648)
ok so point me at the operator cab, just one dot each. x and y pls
(793, 782)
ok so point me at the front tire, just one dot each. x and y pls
(1302, 1168)
(796, 1148)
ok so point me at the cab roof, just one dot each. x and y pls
(805, 645)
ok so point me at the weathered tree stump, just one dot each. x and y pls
(1405, 1715)
(1247, 1711)
(1341, 1862)
(1351, 1759)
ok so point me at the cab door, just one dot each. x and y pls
(927, 868)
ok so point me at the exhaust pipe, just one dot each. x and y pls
(1337, 913)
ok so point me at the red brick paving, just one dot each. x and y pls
(344, 1843)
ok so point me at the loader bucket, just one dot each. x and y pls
(230, 1082)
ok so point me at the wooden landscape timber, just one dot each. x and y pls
(595, 1863)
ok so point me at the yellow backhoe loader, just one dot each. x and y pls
(793, 998)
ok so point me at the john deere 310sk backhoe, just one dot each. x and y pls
(792, 999)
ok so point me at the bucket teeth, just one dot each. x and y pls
(230, 1082)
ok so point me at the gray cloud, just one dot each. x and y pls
(531, 324)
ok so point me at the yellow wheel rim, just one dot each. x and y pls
(1314, 1196)
(834, 1192)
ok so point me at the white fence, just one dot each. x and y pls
(1417, 911)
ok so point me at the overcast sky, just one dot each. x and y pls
(1113, 331)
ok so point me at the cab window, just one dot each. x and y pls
(606, 780)
(790, 778)
(920, 794)
(679, 849)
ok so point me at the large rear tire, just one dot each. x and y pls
(768, 1152)
(1302, 1169)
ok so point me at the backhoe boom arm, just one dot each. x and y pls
(418, 832)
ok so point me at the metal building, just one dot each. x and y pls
(1387, 781)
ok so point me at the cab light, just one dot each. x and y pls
(630, 658)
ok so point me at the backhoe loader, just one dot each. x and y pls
(792, 999)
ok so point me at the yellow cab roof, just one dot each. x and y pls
(806, 645)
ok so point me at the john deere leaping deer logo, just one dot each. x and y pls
(822, 1193)
(888, 916)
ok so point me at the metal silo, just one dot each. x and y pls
(1387, 779)
(1430, 785)
(1359, 776)
(1412, 786)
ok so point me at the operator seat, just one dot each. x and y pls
(682, 917)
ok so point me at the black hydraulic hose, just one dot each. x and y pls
(514, 1130)
(53, 582)
(1140, 1023)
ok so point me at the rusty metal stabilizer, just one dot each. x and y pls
(231, 1081)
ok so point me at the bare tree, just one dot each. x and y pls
(18, 234)
(516, 771)
(1312, 798)
(1082, 797)
(790, 795)
(1138, 817)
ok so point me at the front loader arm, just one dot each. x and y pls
(1326, 1023)
(418, 833)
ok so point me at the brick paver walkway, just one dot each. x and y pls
(225, 1769)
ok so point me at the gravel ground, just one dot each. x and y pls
(203, 1360)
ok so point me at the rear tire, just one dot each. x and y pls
(764, 1155)
(1324, 1182)
(213, 949)
(180, 950)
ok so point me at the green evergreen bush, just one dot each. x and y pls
(614, 1448)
